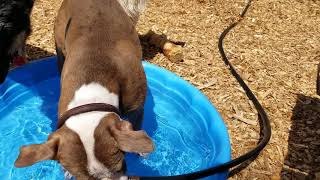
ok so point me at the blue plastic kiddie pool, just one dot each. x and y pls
(188, 132)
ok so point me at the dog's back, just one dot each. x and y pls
(100, 43)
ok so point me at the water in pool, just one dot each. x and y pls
(27, 123)
(181, 145)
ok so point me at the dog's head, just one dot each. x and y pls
(100, 157)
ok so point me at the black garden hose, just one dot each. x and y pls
(264, 121)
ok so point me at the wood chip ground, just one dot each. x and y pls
(276, 49)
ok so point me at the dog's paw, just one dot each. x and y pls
(124, 178)
(68, 175)
(144, 154)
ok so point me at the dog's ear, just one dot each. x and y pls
(130, 140)
(32, 154)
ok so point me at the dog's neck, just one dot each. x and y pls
(85, 124)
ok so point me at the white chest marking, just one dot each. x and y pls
(93, 93)
(85, 124)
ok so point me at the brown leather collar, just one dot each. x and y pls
(87, 108)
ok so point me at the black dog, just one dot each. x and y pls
(14, 30)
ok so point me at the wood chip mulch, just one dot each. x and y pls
(276, 49)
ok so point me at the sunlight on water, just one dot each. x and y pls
(26, 124)
(180, 147)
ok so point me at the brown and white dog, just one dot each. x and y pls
(100, 55)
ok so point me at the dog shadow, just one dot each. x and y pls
(150, 50)
(303, 158)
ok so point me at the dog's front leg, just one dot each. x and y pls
(136, 118)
